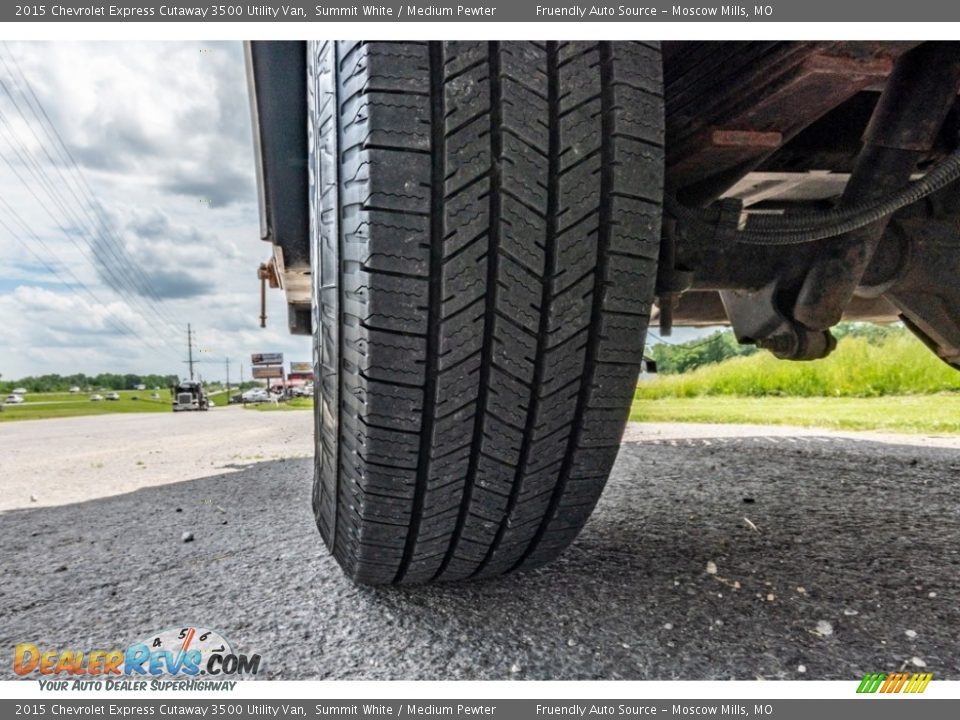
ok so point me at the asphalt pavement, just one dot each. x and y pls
(820, 557)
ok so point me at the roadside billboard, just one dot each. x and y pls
(267, 359)
(266, 372)
(301, 368)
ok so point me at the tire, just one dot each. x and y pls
(485, 228)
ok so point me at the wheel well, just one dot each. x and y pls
(277, 80)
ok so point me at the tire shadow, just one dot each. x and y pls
(703, 560)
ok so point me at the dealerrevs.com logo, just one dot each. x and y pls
(187, 658)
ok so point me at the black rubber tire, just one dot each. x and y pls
(485, 223)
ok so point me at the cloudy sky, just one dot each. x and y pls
(150, 221)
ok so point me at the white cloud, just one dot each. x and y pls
(161, 133)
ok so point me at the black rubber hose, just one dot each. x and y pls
(944, 173)
(811, 226)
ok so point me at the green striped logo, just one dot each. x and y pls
(894, 683)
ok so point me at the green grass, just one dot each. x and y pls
(937, 414)
(897, 366)
(894, 384)
(40, 406)
(293, 404)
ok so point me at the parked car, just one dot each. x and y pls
(13, 399)
(255, 395)
(96, 397)
(74, 390)
(113, 396)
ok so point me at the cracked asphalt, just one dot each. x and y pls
(712, 555)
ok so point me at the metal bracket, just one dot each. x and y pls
(266, 273)
(757, 320)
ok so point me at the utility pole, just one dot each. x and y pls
(228, 376)
(190, 349)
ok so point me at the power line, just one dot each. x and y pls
(709, 340)
(26, 158)
(88, 219)
(50, 213)
(44, 182)
(116, 275)
(132, 279)
(117, 323)
(64, 152)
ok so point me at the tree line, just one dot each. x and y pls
(677, 358)
(103, 381)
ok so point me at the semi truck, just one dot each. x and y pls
(477, 235)
(189, 395)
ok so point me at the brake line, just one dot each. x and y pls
(729, 222)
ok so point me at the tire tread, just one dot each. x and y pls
(485, 232)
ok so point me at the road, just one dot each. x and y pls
(715, 553)
(68, 460)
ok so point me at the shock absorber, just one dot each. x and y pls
(902, 131)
